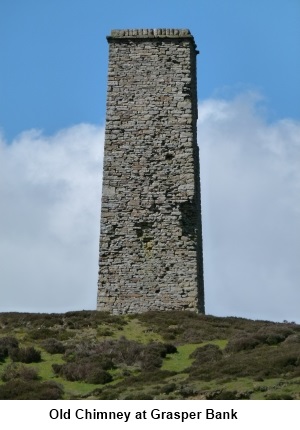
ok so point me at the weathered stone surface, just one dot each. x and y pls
(151, 239)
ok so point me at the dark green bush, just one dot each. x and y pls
(57, 368)
(25, 355)
(19, 371)
(42, 333)
(168, 388)
(104, 331)
(30, 321)
(185, 326)
(227, 395)
(206, 354)
(278, 396)
(242, 342)
(70, 371)
(169, 348)
(65, 335)
(77, 319)
(156, 375)
(83, 371)
(150, 361)
(186, 391)
(122, 352)
(273, 335)
(270, 335)
(19, 389)
(83, 319)
(98, 376)
(151, 355)
(7, 343)
(279, 361)
(53, 346)
(293, 338)
(138, 396)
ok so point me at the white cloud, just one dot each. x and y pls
(250, 171)
(49, 219)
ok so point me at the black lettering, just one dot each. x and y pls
(210, 414)
(54, 414)
(233, 414)
(77, 416)
(155, 414)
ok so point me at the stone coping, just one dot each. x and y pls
(150, 33)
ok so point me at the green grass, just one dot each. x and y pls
(180, 361)
(44, 367)
(270, 369)
(134, 330)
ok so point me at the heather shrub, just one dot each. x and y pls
(53, 346)
(241, 342)
(151, 356)
(279, 396)
(42, 333)
(96, 375)
(104, 331)
(150, 360)
(168, 388)
(69, 371)
(282, 360)
(92, 319)
(7, 343)
(272, 335)
(193, 335)
(185, 326)
(87, 352)
(25, 355)
(20, 389)
(57, 368)
(227, 395)
(287, 357)
(28, 320)
(185, 391)
(292, 339)
(206, 354)
(19, 371)
(83, 371)
(124, 351)
(269, 335)
(138, 396)
(169, 348)
(155, 375)
(121, 351)
(160, 349)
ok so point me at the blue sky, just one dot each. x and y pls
(54, 54)
(53, 67)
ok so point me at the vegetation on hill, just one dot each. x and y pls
(155, 355)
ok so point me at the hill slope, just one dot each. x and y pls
(155, 355)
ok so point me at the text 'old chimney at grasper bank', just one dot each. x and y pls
(151, 238)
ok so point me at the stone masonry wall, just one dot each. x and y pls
(151, 240)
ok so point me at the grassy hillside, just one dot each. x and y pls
(155, 355)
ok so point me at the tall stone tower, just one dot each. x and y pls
(151, 239)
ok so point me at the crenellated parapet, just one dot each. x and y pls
(152, 32)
